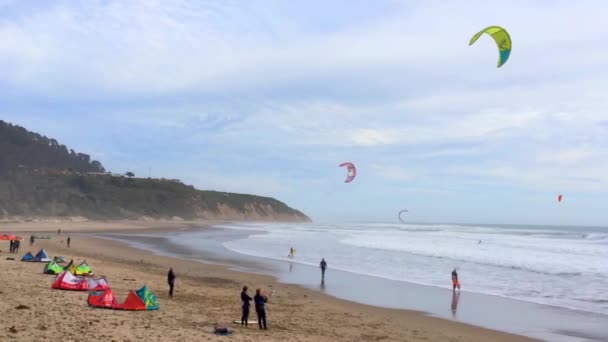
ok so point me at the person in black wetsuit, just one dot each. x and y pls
(260, 301)
(171, 280)
(323, 266)
(245, 299)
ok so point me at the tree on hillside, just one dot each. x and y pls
(130, 174)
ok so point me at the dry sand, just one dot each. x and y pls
(205, 294)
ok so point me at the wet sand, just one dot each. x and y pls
(205, 294)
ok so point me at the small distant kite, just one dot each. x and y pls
(502, 39)
(400, 213)
(559, 197)
(351, 171)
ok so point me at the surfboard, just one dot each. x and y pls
(248, 322)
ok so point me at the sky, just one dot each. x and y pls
(269, 97)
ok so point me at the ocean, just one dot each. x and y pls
(558, 266)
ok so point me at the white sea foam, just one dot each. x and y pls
(561, 266)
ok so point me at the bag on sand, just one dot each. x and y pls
(221, 330)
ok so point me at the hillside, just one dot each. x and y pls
(40, 178)
(21, 149)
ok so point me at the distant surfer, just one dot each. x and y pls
(455, 282)
(292, 252)
(323, 266)
(171, 281)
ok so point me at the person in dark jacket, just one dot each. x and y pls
(323, 266)
(245, 299)
(12, 247)
(171, 281)
(260, 301)
(32, 240)
(69, 240)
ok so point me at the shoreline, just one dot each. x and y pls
(295, 313)
(464, 307)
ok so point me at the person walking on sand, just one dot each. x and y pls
(12, 244)
(32, 240)
(323, 266)
(16, 246)
(245, 299)
(171, 281)
(260, 301)
(59, 231)
(69, 240)
(455, 282)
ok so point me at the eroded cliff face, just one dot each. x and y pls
(115, 198)
(252, 212)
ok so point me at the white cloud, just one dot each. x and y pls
(152, 46)
(567, 156)
(394, 173)
(402, 94)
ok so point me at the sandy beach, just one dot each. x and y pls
(205, 294)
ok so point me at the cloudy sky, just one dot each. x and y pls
(268, 97)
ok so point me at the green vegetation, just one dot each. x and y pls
(41, 179)
(22, 150)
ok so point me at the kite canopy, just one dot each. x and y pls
(351, 171)
(148, 297)
(142, 299)
(402, 212)
(54, 268)
(67, 281)
(28, 257)
(502, 39)
(81, 270)
(10, 237)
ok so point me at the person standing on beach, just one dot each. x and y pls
(245, 299)
(11, 246)
(16, 246)
(323, 266)
(455, 282)
(69, 240)
(171, 281)
(59, 231)
(32, 240)
(260, 301)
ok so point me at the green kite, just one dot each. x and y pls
(502, 39)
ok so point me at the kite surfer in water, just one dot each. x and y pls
(292, 252)
(455, 282)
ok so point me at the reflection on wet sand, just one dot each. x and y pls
(455, 299)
